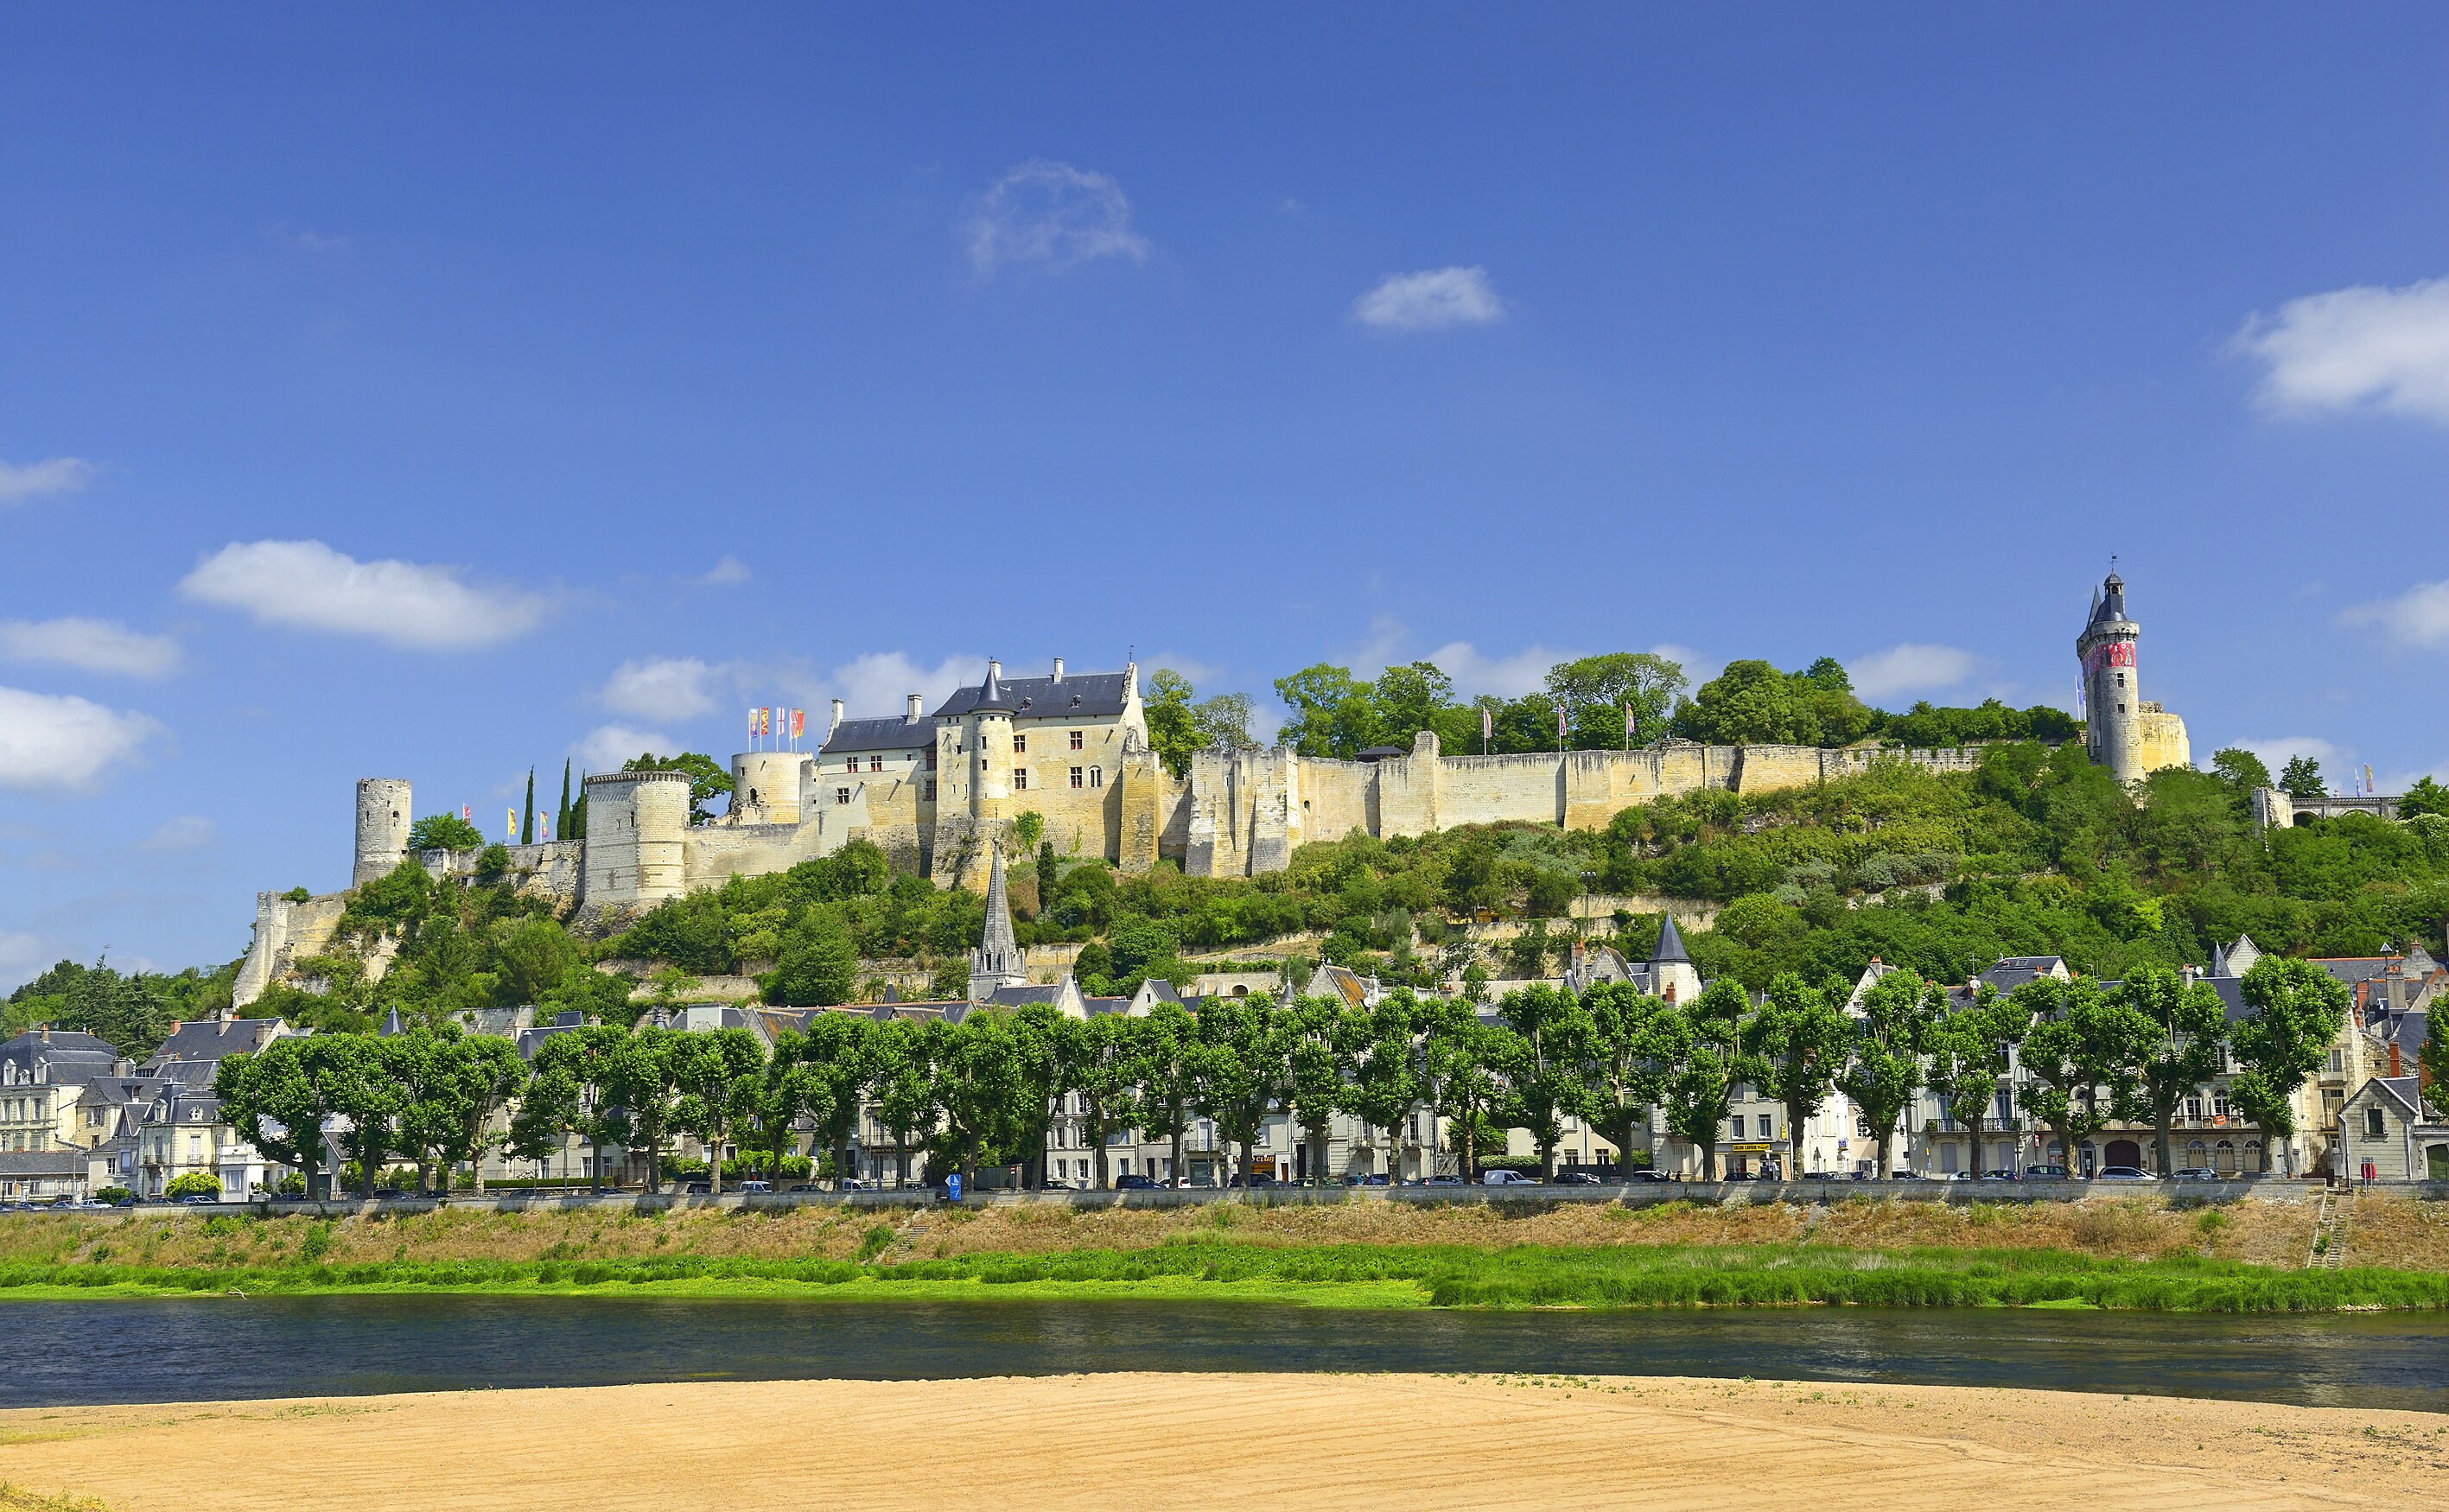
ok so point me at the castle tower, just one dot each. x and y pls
(1672, 976)
(997, 962)
(990, 753)
(637, 830)
(2113, 686)
(382, 828)
(766, 785)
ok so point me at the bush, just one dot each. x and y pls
(114, 1194)
(194, 1184)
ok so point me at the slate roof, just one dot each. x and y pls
(893, 734)
(70, 1056)
(1089, 695)
(20, 1164)
(1670, 943)
(2402, 1090)
(209, 1039)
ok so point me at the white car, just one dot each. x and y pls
(1507, 1178)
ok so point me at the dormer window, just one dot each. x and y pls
(1075, 700)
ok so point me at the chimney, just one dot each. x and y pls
(838, 717)
(913, 714)
(995, 669)
(1058, 669)
(2393, 1060)
(47, 1033)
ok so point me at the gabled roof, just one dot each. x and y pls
(2402, 1090)
(210, 1040)
(878, 735)
(1085, 695)
(68, 1057)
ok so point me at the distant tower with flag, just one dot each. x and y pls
(2132, 737)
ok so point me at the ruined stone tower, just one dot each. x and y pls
(382, 828)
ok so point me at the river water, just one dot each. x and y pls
(189, 1349)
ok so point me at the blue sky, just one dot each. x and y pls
(435, 393)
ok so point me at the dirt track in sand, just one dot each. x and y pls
(1143, 1441)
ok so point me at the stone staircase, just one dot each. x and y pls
(2331, 1222)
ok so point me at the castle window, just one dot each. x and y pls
(931, 759)
(1096, 776)
(2121, 708)
(841, 796)
(1020, 744)
(1020, 779)
(876, 763)
(1075, 739)
(1075, 776)
(931, 790)
(2121, 679)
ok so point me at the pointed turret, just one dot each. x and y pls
(997, 960)
(991, 698)
(1672, 973)
(2219, 962)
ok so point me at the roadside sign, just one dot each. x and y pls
(953, 1187)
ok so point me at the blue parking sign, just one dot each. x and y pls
(953, 1186)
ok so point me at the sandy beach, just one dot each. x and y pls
(1139, 1442)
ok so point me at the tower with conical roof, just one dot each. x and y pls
(997, 960)
(1672, 975)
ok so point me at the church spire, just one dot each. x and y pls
(997, 962)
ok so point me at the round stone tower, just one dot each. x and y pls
(2113, 687)
(990, 733)
(765, 786)
(382, 828)
(637, 834)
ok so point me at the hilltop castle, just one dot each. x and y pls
(940, 792)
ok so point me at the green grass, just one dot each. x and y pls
(1346, 1275)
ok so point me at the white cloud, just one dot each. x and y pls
(1911, 668)
(23, 956)
(1508, 676)
(2385, 349)
(1697, 668)
(94, 645)
(875, 685)
(603, 748)
(1429, 300)
(1053, 215)
(305, 238)
(28, 480)
(2275, 753)
(189, 831)
(61, 742)
(305, 584)
(2419, 617)
(661, 688)
(730, 569)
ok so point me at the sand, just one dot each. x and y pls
(1147, 1442)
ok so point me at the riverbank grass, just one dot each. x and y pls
(1343, 1275)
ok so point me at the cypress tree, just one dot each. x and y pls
(527, 814)
(560, 815)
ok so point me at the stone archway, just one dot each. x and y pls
(2124, 1152)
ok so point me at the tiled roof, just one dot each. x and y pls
(1089, 695)
(878, 735)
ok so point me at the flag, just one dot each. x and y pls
(512, 822)
(798, 722)
(1560, 726)
(1487, 724)
(1631, 722)
(465, 815)
(765, 719)
(752, 723)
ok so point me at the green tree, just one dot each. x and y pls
(718, 1074)
(1802, 1039)
(1381, 1069)
(1307, 1032)
(2434, 1057)
(819, 964)
(983, 1074)
(1628, 1063)
(2425, 796)
(1409, 698)
(1101, 1062)
(1595, 690)
(444, 832)
(1028, 830)
(2240, 769)
(450, 1086)
(638, 1076)
(1333, 713)
(1222, 723)
(708, 780)
(1240, 1071)
(2080, 1050)
(534, 957)
(1883, 1065)
(2298, 1010)
(902, 1055)
(527, 813)
(1971, 1048)
(1703, 1041)
(1168, 1064)
(839, 1050)
(561, 815)
(1459, 1065)
(1550, 1081)
(280, 1098)
(773, 1107)
(2302, 778)
(2189, 1038)
(1751, 702)
(1173, 730)
(194, 1184)
(366, 1099)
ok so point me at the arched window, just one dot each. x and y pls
(2253, 1154)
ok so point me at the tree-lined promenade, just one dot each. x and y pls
(985, 1090)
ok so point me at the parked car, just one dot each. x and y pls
(2045, 1173)
(1645, 1173)
(803, 1186)
(861, 1183)
(1577, 1179)
(1365, 1178)
(2196, 1173)
(1443, 1180)
(1508, 1178)
(698, 1189)
(1253, 1181)
(1819, 1175)
(2126, 1173)
(1136, 1183)
(756, 1186)
(193, 1199)
(2000, 1175)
